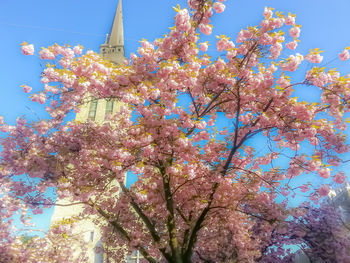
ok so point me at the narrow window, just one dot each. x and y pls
(92, 236)
(109, 107)
(92, 110)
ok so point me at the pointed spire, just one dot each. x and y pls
(113, 48)
(116, 35)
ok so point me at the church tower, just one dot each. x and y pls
(112, 50)
(95, 110)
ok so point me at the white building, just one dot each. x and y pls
(340, 198)
(96, 110)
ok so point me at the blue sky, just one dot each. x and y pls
(325, 24)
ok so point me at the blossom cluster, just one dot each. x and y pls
(202, 187)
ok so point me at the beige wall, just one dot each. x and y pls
(112, 50)
(86, 230)
(83, 113)
(83, 230)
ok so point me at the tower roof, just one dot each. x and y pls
(116, 34)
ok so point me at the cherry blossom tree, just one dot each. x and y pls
(204, 194)
(324, 234)
(319, 231)
(57, 246)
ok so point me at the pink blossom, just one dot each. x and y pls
(304, 188)
(242, 50)
(267, 13)
(294, 32)
(266, 39)
(319, 80)
(278, 22)
(27, 50)
(324, 172)
(204, 47)
(344, 55)
(266, 25)
(272, 68)
(290, 20)
(283, 82)
(205, 29)
(182, 20)
(323, 190)
(5, 128)
(275, 50)
(40, 98)
(26, 88)
(245, 119)
(223, 132)
(339, 178)
(224, 44)
(292, 45)
(243, 35)
(292, 63)
(46, 54)
(285, 192)
(67, 53)
(219, 7)
(334, 161)
(201, 125)
(78, 50)
(314, 58)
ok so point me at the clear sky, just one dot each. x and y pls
(325, 24)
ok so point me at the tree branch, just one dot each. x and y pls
(123, 233)
(149, 224)
(174, 246)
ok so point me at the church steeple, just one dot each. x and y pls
(116, 34)
(113, 48)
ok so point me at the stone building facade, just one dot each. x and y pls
(97, 110)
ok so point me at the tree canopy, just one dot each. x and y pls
(203, 194)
